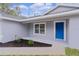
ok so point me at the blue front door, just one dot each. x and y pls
(59, 31)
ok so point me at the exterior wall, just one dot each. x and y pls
(10, 29)
(61, 9)
(48, 37)
(0, 30)
(74, 32)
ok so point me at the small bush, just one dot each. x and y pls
(71, 52)
(30, 43)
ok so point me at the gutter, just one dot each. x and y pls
(10, 19)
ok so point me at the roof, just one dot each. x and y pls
(11, 17)
(75, 5)
(69, 5)
(25, 19)
(53, 16)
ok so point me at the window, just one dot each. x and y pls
(36, 28)
(39, 28)
(42, 28)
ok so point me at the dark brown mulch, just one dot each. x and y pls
(24, 43)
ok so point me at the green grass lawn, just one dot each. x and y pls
(71, 52)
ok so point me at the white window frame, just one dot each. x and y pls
(64, 29)
(39, 29)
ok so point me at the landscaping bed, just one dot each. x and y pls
(24, 43)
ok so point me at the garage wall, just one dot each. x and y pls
(10, 29)
(74, 32)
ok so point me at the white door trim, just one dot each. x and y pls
(64, 29)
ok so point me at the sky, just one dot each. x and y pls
(33, 9)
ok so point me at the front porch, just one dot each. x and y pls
(53, 31)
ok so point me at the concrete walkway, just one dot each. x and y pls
(31, 51)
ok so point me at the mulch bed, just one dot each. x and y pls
(24, 43)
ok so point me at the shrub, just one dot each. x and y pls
(71, 52)
(30, 43)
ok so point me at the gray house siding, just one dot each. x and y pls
(48, 37)
(0, 30)
(10, 29)
(30, 29)
(74, 32)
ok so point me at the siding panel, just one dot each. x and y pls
(48, 38)
(74, 32)
(10, 29)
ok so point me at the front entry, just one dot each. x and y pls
(60, 30)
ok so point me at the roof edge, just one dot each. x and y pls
(65, 14)
(62, 5)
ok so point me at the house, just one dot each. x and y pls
(57, 26)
